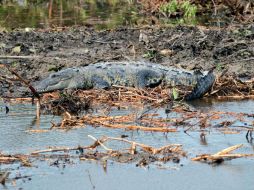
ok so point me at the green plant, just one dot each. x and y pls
(150, 54)
(189, 10)
(170, 7)
(175, 94)
(219, 67)
(173, 7)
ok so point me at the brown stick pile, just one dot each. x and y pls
(186, 119)
(116, 122)
(135, 152)
(133, 146)
(229, 87)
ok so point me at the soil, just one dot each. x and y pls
(230, 50)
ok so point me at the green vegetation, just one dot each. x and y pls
(169, 8)
(189, 9)
(175, 7)
(219, 67)
(150, 54)
(175, 94)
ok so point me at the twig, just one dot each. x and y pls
(146, 148)
(36, 94)
(58, 149)
(103, 146)
(228, 150)
(17, 57)
(221, 155)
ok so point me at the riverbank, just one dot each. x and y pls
(229, 50)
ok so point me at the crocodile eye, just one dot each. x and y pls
(155, 80)
(53, 76)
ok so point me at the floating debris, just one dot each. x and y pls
(139, 152)
(222, 155)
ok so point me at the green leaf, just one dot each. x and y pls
(175, 94)
(16, 49)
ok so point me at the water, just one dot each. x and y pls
(60, 13)
(232, 175)
(100, 14)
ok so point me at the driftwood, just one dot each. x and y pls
(142, 153)
(146, 148)
(99, 142)
(222, 155)
(65, 149)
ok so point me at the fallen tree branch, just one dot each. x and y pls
(222, 155)
(99, 142)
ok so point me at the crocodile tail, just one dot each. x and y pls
(203, 85)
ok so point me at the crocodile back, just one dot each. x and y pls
(134, 74)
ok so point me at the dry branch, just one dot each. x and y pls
(35, 93)
(230, 87)
(222, 155)
(174, 148)
(116, 122)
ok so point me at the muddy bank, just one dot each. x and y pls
(230, 50)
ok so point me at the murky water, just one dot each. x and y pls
(235, 174)
(50, 13)
(106, 14)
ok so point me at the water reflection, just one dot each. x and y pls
(101, 14)
(43, 14)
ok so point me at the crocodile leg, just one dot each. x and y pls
(100, 83)
(148, 78)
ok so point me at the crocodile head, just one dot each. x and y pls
(56, 81)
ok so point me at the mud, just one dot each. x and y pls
(229, 50)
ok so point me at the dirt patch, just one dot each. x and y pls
(230, 50)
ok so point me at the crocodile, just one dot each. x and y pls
(138, 74)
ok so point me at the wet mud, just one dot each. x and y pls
(229, 50)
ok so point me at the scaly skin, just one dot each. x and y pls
(127, 73)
